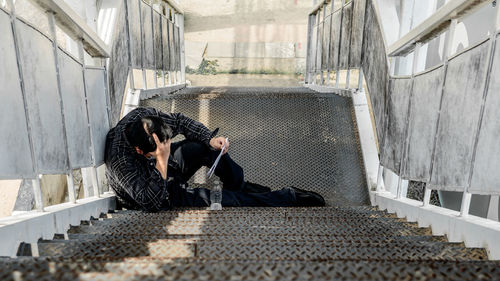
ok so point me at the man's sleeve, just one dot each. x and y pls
(143, 183)
(192, 130)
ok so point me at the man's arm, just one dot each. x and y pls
(191, 129)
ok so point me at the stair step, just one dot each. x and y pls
(193, 269)
(334, 240)
(225, 230)
(302, 250)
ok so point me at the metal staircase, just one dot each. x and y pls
(347, 240)
(348, 243)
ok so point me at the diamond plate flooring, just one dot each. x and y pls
(282, 136)
(346, 240)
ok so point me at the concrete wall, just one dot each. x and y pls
(256, 35)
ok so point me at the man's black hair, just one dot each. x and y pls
(137, 136)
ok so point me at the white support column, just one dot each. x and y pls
(380, 178)
(464, 208)
(71, 188)
(37, 192)
(180, 23)
(427, 197)
(360, 79)
(348, 78)
(95, 182)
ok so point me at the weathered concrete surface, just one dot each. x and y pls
(399, 96)
(375, 67)
(277, 25)
(15, 148)
(461, 103)
(486, 178)
(427, 89)
(42, 98)
(358, 22)
(118, 66)
(241, 80)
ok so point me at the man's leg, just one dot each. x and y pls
(192, 155)
(200, 197)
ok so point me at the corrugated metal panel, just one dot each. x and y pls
(424, 111)
(40, 81)
(15, 149)
(461, 104)
(99, 124)
(75, 111)
(399, 96)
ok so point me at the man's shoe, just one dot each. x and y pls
(307, 198)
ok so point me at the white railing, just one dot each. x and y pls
(435, 125)
(58, 98)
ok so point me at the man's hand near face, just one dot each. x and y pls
(218, 143)
(161, 154)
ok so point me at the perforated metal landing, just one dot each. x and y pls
(282, 136)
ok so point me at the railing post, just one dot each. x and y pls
(380, 178)
(464, 208)
(427, 196)
(309, 58)
(37, 192)
(71, 188)
(360, 79)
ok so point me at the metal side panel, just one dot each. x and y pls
(345, 41)
(75, 112)
(358, 20)
(157, 40)
(171, 44)
(460, 108)
(319, 55)
(134, 23)
(99, 125)
(147, 37)
(375, 68)
(177, 48)
(15, 149)
(399, 96)
(485, 177)
(335, 40)
(314, 46)
(326, 43)
(424, 111)
(165, 44)
(40, 82)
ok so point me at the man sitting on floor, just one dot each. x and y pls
(148, 172)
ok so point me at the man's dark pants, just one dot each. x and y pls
(191, 155)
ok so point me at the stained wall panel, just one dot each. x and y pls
(134, 23)
(171, 43)
(345, 41)
(147, 36)
(15, 161)
(75, 112)
(485, 176)
(326, 42)
(177, 48)
(319, 55)
(165, 44)
(99, 124)
(335, 40)
(375, 68)
(458, 122)
(358, 20)
(157, 40)
(40, 82)
(427, 90)
(395, 134)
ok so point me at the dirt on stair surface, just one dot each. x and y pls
(321, 243)
(289, 136)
